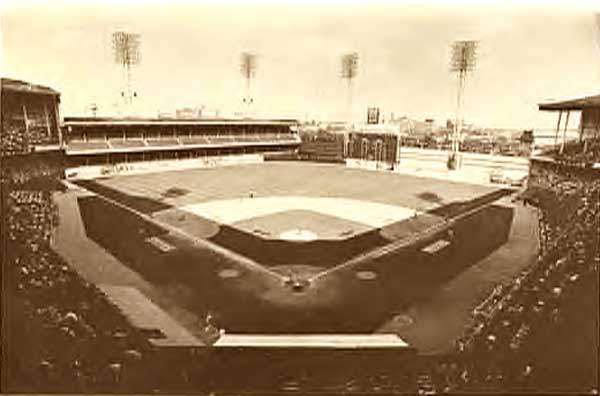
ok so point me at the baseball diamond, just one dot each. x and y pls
(322, 256)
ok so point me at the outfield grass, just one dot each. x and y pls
(292, 179)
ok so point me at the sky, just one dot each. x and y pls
(190, 55)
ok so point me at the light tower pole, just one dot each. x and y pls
(126, 50)
(462, 62)
(248, 70)
(349, 73)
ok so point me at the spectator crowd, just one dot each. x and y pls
(18, 138)
(62, 334)
(497, 349)
(585, 153)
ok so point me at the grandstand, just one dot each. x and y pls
(586, 150)
(507, 344)
(106, 142)
(167, 138)
(51, 316)
(30, 118)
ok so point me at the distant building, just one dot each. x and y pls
(162, 115)
(373, 115)
(188, 112)
(429, 124)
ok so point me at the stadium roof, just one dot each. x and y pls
(572, 104)
(11, 85)
(91, 121)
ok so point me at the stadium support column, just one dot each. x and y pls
(26, 120)
(398, 148)
(557, 129)
(349, 102)
(47, 117)
(562, 143)
(345, 148)
(581, 121)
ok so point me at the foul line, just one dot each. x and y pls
(236, 257)
(394, 246)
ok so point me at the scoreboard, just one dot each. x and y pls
(373, 115)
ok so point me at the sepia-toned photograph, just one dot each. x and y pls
(299, 198)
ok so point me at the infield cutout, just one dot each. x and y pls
(230, 211)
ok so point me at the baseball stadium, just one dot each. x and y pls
(194, 251)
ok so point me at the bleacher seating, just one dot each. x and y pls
(124, 144)
(163, 142)
(64, 335)
(194, 140)
(28, 117)
(494, 353)
(90, 145)
(577, 153)
(13, 139)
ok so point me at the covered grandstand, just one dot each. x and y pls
(110, 141)
(30, 117)
(587, 149)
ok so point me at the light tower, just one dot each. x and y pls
(248, 70)
(462, 61)
(126, 49)
(349, 73)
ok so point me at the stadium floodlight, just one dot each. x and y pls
(462, 61)
(126, 50)
(349, 73)
(248, 70)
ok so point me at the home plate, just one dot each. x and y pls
(366, 275)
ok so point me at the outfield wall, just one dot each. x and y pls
(473, 167)
(132, 168)
(437, 159)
